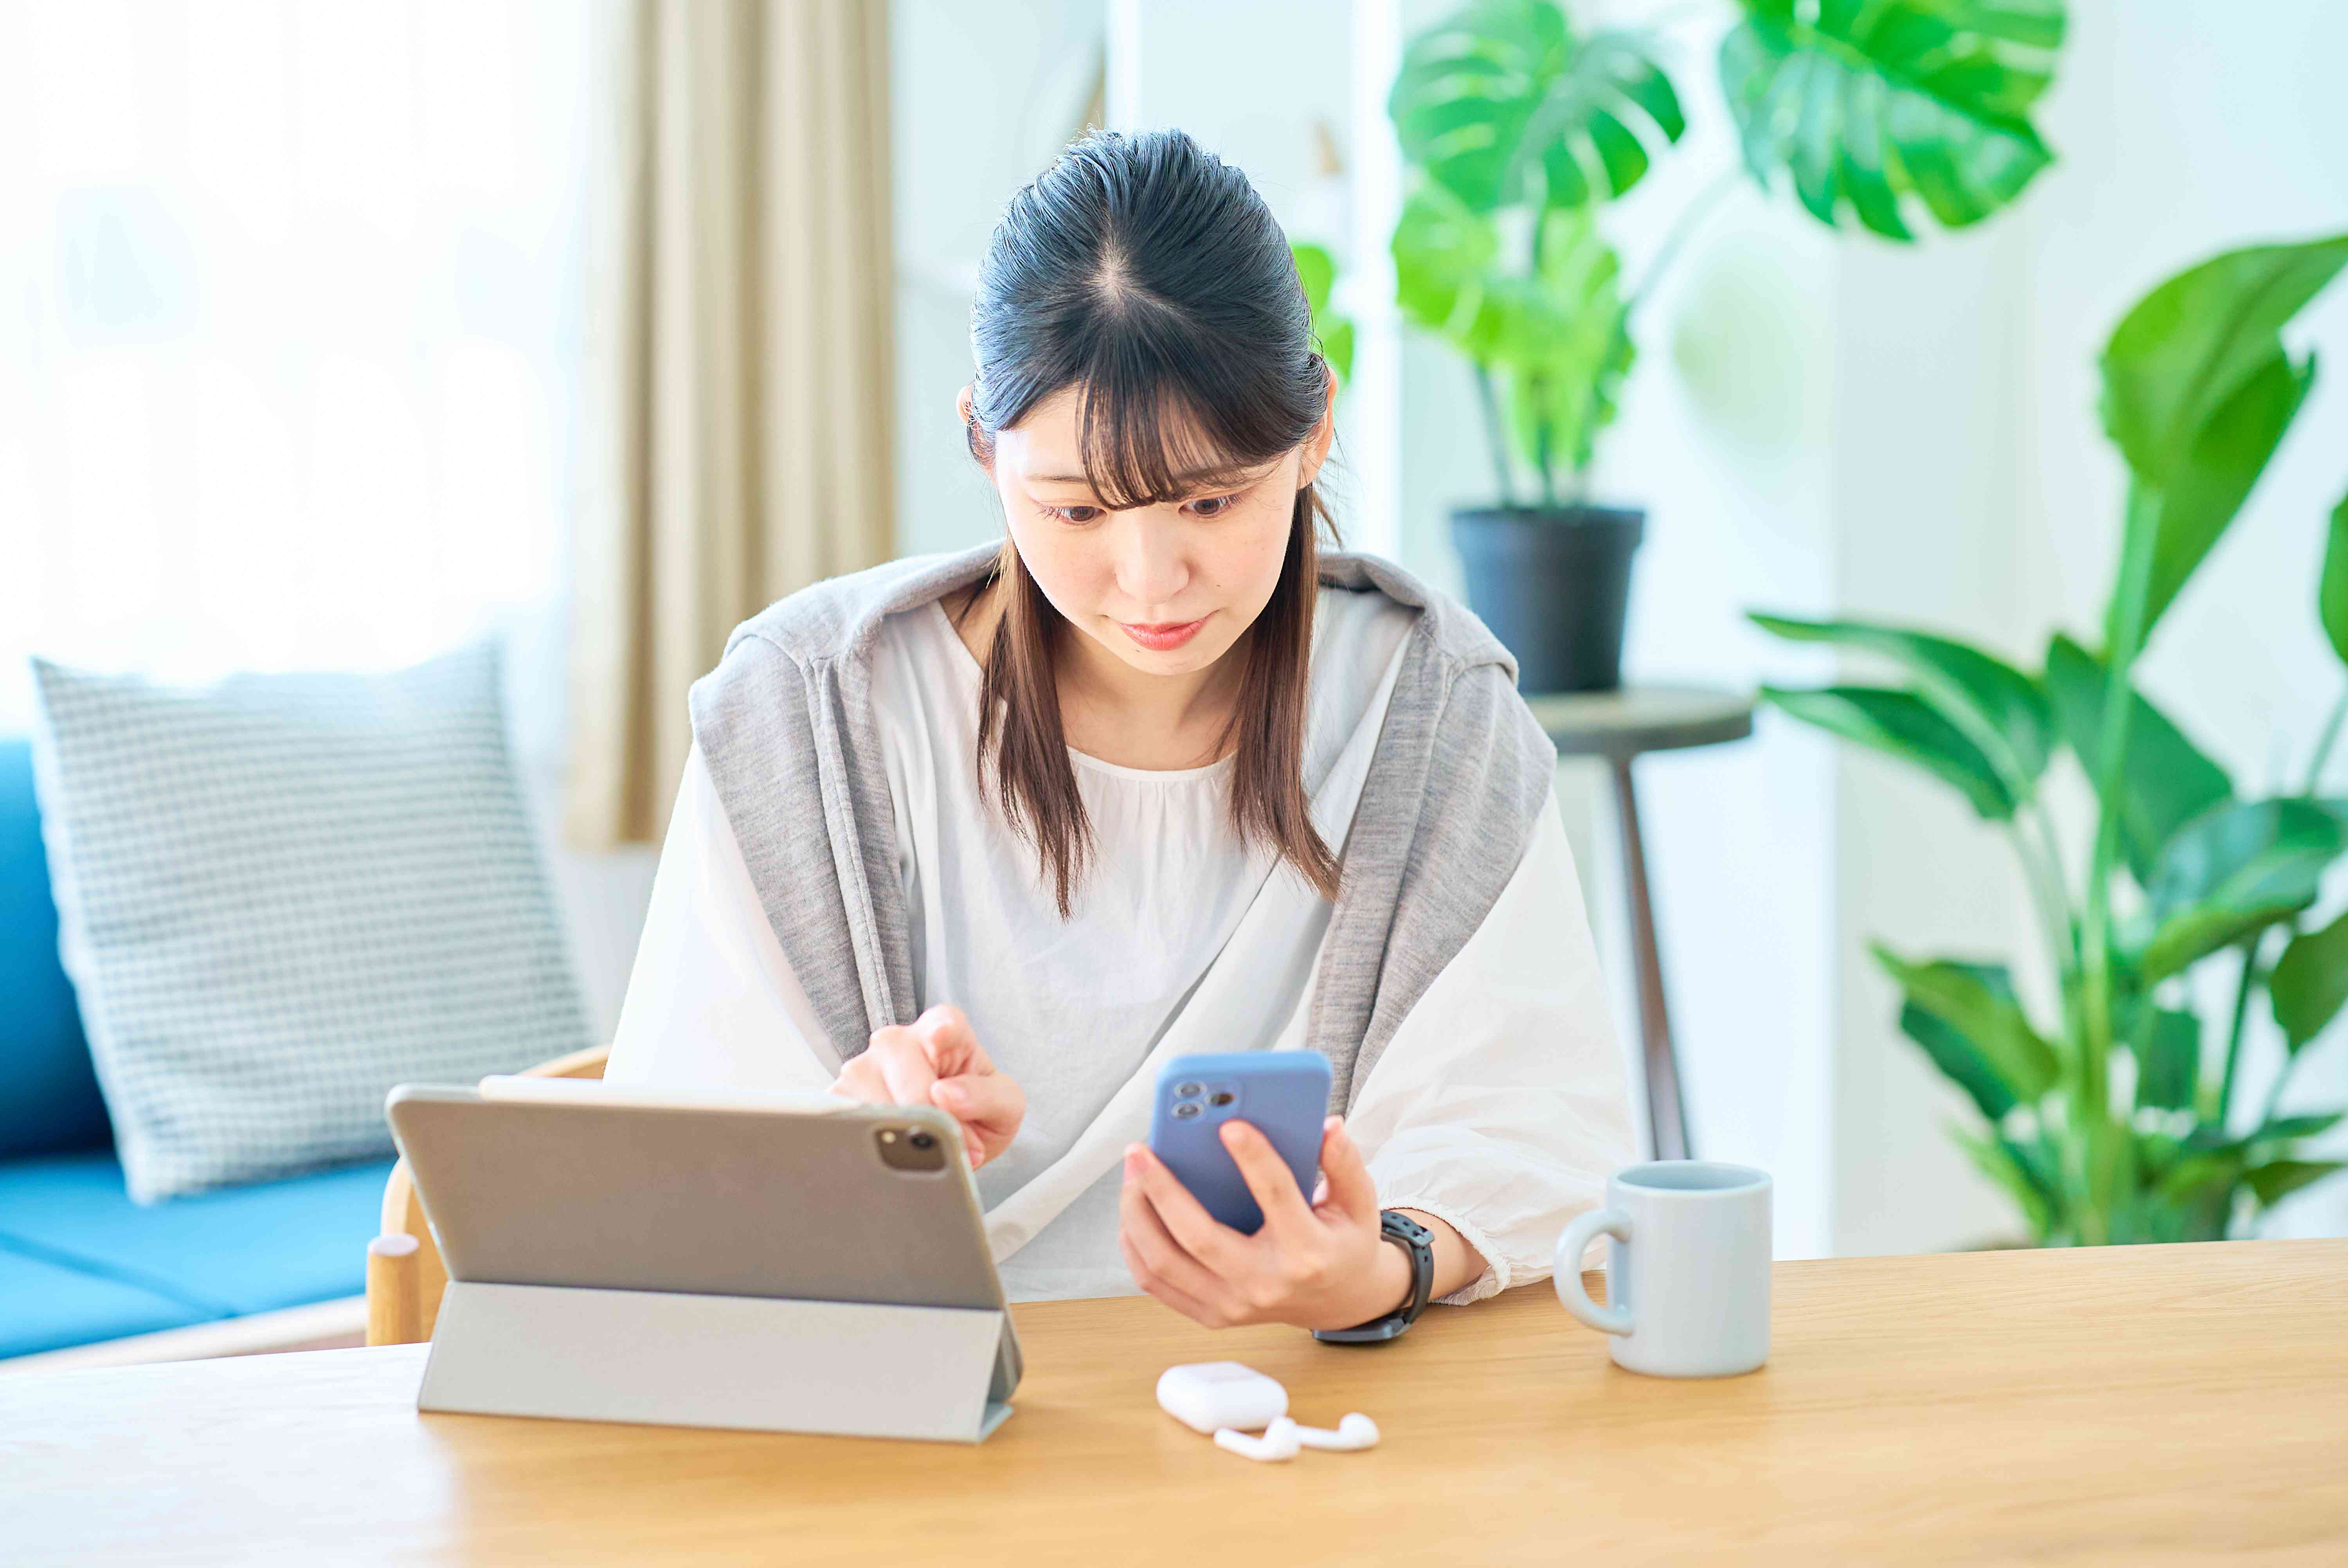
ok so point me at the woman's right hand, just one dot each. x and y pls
(937, 1061)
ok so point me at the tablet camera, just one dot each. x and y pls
(912, 1149)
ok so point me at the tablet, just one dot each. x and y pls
(845, 1202)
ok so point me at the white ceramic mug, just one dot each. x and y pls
(1687, 1269)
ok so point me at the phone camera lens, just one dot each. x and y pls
(1221, 1097)
(1188, 1090)
(923, 1141)
(1186, 1110)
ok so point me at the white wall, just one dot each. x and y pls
(982, 98)
(1725, 438)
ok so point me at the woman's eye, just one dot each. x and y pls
(1069, 514)
(1215, 506)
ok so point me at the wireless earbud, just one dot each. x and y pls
(1279, 1442)
(1355, 1432)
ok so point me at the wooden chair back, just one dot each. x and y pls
(405, 1275)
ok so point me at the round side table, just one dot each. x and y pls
(1619, 726)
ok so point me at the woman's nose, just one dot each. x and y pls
(1151, 570)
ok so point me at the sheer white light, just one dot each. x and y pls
(289, 331)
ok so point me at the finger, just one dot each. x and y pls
(950, 1043)
(1353, 1190)
(1267, 1177)
(1190, 1306)
(1202, 1235)
(860, 1078)
(987, 1109)
(903, 1066)
(994, 1104)
(1139, 1227)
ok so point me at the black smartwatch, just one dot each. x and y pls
(1418, 1243)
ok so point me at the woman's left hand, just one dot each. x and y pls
(1317, 1265)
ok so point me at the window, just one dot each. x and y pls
(290, 344)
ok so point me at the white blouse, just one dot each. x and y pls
(1499, 1105)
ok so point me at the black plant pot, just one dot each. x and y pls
(1554, 585)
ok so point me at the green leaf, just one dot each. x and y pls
(2190, 511)
(2167, 1059)
(1563, 348)
(1968, 687)
(2144, 1215)
(2197, 393)
(2310, 983)
(1556, 340)
(2297, 1127)
(1904, 725)
(2211, 1141)
(2108, 1155)
(2013, 1166)
(2192, 343)
(2332, 591)
(1500, 103)
(1967, 1020)
(1862, 103)
(2233, 871)
(1959, 1061)
(2165, 781)
(1316, 270)
(2200, 1176)
(2278, 1179)
(1337, 347)
(1442, 254)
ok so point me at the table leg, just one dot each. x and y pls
(1666, 1115)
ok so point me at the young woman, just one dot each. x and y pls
(1000, 831)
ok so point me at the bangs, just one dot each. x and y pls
(1149, 434)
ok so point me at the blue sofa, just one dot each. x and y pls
(79, 1262)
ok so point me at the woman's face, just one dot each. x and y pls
(1167, 589)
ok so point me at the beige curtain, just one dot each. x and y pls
(739, 355)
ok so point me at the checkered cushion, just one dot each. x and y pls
(283, 894)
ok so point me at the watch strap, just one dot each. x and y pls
(1417, 1245)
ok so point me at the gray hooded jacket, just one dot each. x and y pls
(785, 728)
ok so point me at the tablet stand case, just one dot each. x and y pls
(758, 1363)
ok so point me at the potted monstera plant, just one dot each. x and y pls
(2110, 1111)
(1517, 128)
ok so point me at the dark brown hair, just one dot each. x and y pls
(1148, 274)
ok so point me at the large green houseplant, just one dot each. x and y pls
(2111, 1113)
(1517, 126)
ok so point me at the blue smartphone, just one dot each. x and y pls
(1282, 1094)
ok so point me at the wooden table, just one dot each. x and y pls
(1621, 726)
(2137, 1405)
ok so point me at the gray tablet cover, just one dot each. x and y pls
(696, 1201)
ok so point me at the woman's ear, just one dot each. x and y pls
(978, 449)
(1316, 445)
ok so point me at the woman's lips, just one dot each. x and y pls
(1160, 636)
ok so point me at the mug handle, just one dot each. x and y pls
(1575, 1240)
